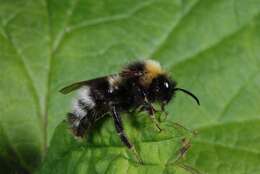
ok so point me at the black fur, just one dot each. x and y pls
(136, 66)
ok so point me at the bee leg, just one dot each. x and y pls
(186, 144)
(120, 130)
(141, 109)
(151, 111)
(164, 112)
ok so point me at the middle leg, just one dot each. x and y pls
(120, 130)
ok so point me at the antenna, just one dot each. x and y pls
(189, 93)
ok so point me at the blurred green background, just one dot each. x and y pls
(210, 47)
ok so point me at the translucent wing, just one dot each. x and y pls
(77, 85)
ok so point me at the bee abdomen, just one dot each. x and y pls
(81, 117)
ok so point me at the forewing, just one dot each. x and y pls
(77, 85)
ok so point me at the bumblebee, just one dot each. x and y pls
(136, 87)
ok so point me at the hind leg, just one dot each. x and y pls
(122, 135)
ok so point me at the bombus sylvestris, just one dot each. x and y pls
(138, 85)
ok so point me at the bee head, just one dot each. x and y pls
(162, 89)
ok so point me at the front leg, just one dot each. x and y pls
(163, 112)
(120, 130)
(151, 111)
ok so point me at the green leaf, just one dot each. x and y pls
(210, 47)
(102, 151)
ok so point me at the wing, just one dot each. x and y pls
(126, 73)
(77, 85)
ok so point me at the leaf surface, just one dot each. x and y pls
(210, 47)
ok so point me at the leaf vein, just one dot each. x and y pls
(174, 26)
(195, 55)
(27, 74)
(227, 146)
(108, 19)
(236, 95)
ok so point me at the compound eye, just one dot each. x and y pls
(166, 84)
